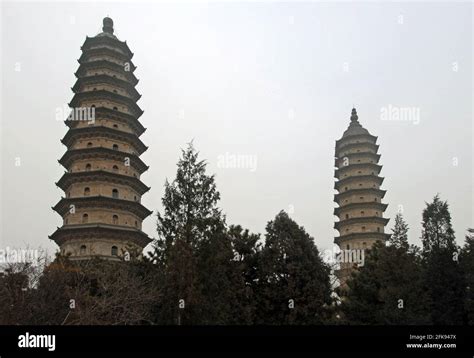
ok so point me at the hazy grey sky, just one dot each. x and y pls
(275, 81)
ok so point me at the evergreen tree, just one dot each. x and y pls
(247, 251)
(201, 279)
(442, 274)
(387, 289)
(467, 264)
(293, 284)
(399, 237)
(190, 217)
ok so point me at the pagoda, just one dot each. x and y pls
(101, 210)
(359, 197)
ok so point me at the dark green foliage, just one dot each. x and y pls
(466, 261)
(443, 277)
(388, 288)
(291, 273)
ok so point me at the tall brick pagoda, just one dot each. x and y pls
(102, 211)
(359, 198)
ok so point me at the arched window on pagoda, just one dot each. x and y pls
(362, 213)
(89, 144)
(85, 218)
(115, 194)
(115, 147)
(115, 168)
(87, 191)
(88, 167)
(114, 251)
(83, 250)
(136, 223)
(115, 109)
(115, 220)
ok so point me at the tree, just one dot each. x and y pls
(247, 253)
(466, 260)
(190, 211)
(78, 293)
(443, 277)
(399, 237)
(193, 251)
(293, 284)
(387, 289)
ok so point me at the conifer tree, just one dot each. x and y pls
(442, 274)
(387, 289)
(399, 236)
(247, 251)
(293, 284)
(467, 264)
(201, 279)
(190, 218)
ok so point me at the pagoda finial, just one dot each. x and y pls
(354, 116)
(108, 25)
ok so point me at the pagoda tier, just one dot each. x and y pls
(69, 180)
(102, 211)
(107, 99)
(359, 197)
(67, 206)
(99, 135)
(108, 68)
(77, 159)
(114, 117)
(103, 81)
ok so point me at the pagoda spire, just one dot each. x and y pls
(354, 116)
(108, 25)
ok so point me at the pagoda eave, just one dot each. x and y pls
(101, 95)
(344, 181)
(361, 220)
(364, 205)
(104, 112)
(114, 41)
(379, 192)
(102, 152)
(102, 231)
(354, 136)
(70, 178)
(93, 131)
(339, 240)
(100, 201)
